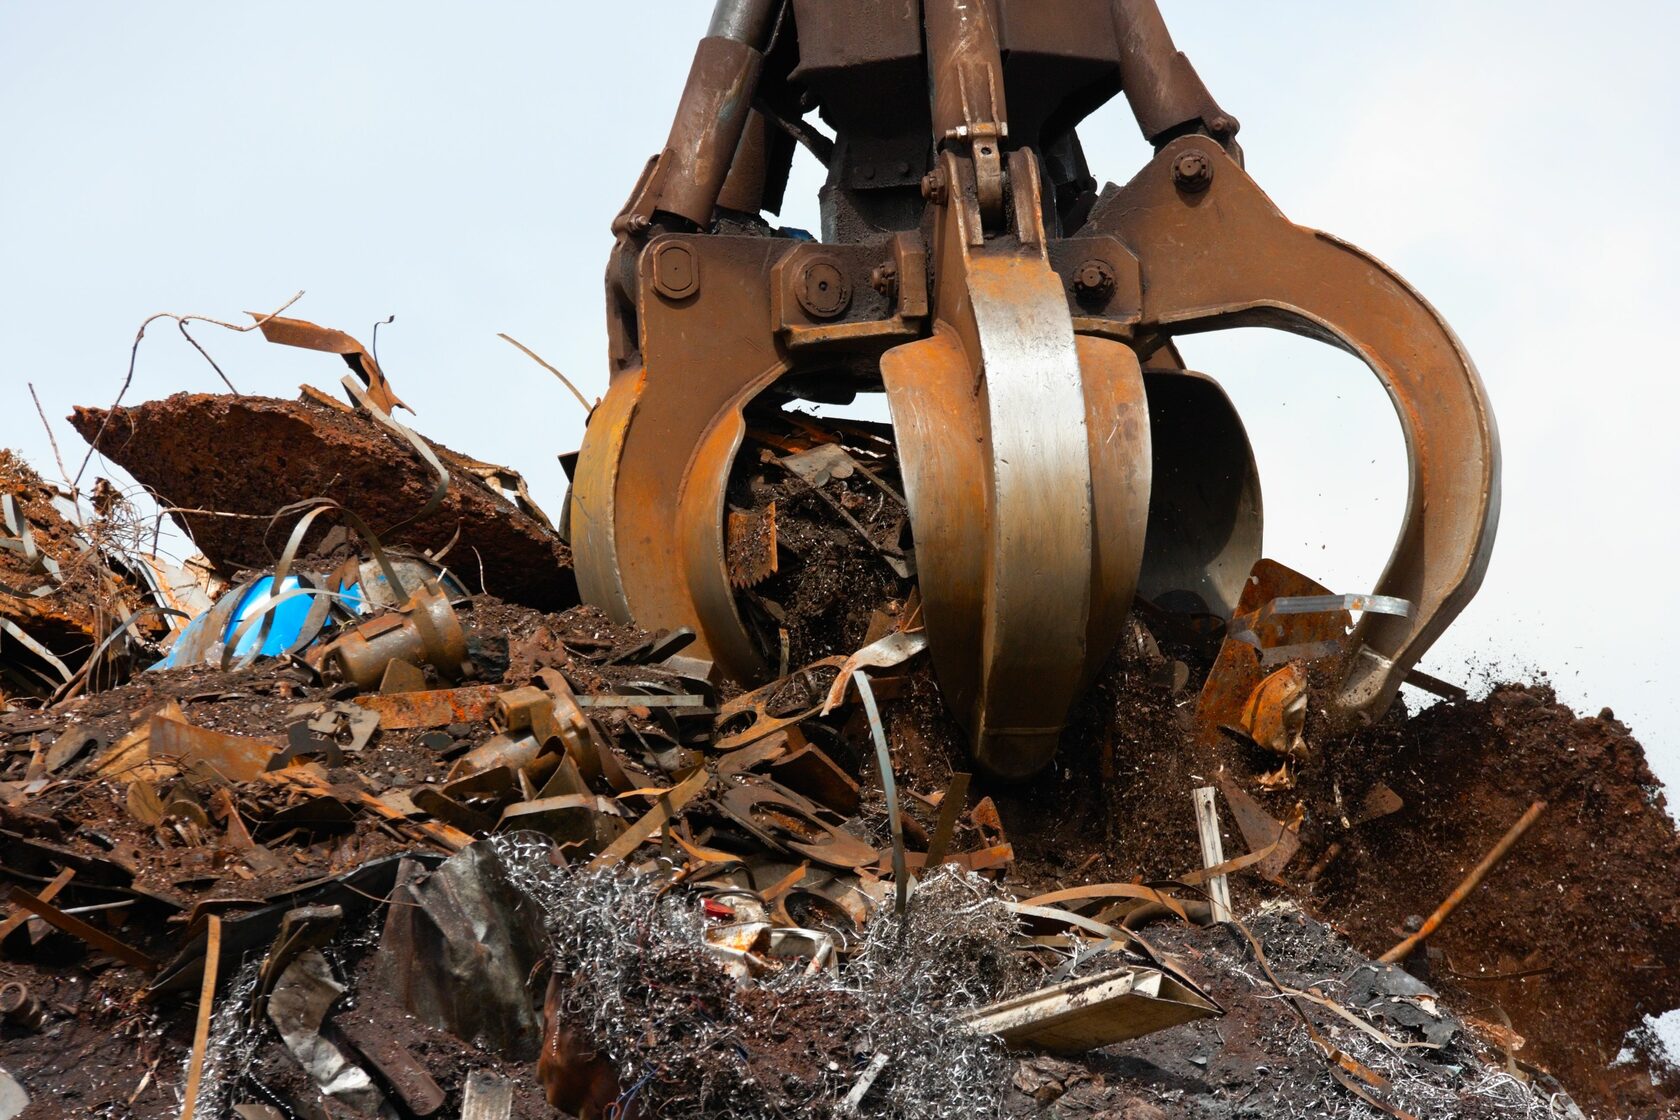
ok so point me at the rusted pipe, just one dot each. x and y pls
(1165, 92)
(965, 66)
(714, 109)
(745, 21)
(1471, 881)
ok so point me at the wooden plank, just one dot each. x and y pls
(77, 928)
(1213, 851)
(488, 1096)
(206, 1003)
(48, 893)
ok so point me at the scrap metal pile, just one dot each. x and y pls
(975, 764)
(398, 849)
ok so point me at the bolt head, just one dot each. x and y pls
(933, 187)
(1094, 279)
(884, 279)
(1193, 172)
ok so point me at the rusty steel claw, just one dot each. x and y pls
(1223, 255)
(1057, 458)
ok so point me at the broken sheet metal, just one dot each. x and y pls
(434, 708)
(13, 1099)
(298, 1009)
(327, 730)
(1285, 626)
(355, 893)
(753, 715)
(458, 952)
(750, 546)
(1275, 715)
(212, 756)
(1260, 830)
(887, 652)
(1095, 1011)
(310, 336)
(409, 1080)
(315, 603)
(787, 822)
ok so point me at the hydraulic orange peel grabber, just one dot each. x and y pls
(1058, 460)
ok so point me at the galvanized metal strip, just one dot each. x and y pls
(883, 759)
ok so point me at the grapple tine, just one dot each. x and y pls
(1217, 253)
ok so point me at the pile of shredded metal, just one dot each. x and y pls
(631, 962)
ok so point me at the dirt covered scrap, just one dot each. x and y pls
(70, 578)
(226, 464)
(797, 1041)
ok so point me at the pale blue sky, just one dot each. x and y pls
(457, 165)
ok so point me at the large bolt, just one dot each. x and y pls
(934, 188)
(884, 279)
(1094, 280)
(1193, 172)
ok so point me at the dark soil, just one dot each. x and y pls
(831, 576)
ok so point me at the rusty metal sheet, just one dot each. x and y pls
(310, 336)
(396, 1063)
(437, 708)
(750, 544)
(811, 772)
(210, 754)
(1260, 830)
(1095, 1011)
(1238, 670)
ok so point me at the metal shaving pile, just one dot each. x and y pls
(1422, 1082)
(641, 986)
(234, 1038)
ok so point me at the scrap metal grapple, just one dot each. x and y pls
(1059, 461)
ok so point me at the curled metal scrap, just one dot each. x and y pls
(311, 336)
(1057, 456)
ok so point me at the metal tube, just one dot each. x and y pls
(714, 110)
(745, 21)
(1164, 90)
(965, 66)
